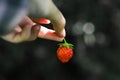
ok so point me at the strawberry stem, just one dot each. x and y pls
(65, 41)
(68, 45)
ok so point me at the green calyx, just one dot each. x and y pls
(65, 44)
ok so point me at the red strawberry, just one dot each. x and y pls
(65, 52)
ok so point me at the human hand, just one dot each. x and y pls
(46, 9)
(26, 31)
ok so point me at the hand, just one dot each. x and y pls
(46, 9)
(26, 31)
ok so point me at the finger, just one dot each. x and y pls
(26, 32)
(18, 29)
(57, 19)
(23, 36)
(25, 22)
(26, 26)
(42, 21)
(34, 32)
(18, 37)
(46, 33)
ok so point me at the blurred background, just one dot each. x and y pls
(93, 26)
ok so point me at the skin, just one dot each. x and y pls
(27, 30)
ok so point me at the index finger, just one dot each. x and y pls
(57, 19)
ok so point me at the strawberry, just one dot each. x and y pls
(65, 52)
